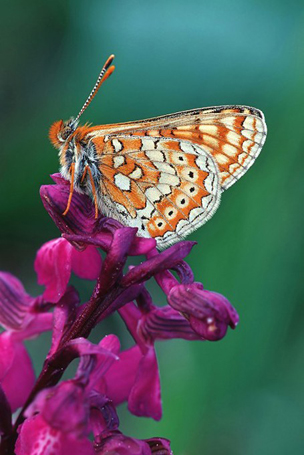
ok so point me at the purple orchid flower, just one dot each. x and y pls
(24, 318)
(208, 313)
(59, 416)
(56, 260)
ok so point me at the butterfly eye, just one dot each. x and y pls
(67, 131)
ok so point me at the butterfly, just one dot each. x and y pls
(163, 175)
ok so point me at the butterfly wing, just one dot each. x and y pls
(163, 186)
(233, 135)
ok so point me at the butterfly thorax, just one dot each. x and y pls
(77, 152)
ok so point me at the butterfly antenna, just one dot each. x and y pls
(106, 71)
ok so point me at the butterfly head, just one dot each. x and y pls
(61, 131)
(78, 163)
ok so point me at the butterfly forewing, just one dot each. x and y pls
(233, 135)
(166, 187)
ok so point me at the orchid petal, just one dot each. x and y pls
(80, 219)
(114, 442)
(56, 260)
(116, 257)
(36, 437)
(64, 316)
(103, 415)
(14, 302)
(209, 313)
(131, 316)
(144, 399)
(64, 407)
(86, 264)
(41, 322)
(53, 268)
(165, 323)
(94, 359)
(156, 264)
(120, 377)
(15, 363)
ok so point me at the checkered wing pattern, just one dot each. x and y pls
(163, 186)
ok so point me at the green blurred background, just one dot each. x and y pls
(243, 395)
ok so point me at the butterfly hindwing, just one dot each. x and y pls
(163, 186)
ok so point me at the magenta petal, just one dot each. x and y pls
(56, 259)
(15, 363)
(94, 359)
(119, 379)
(84, 347)
(53, 267)
(110, 345)
(86, 264)
(103, 415)
(79, 220)
(36, 437)
(57, 178)
(101, 240)
(144, 399)
(131, 315)
(165, 323)
(209, 329)
(41, 322)
(64, 407)
(158, 263)
(209, 313)
(116, 443)
(142, 245)
(116, 258)
(166, 281)
(14, 302)
(64, 315)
